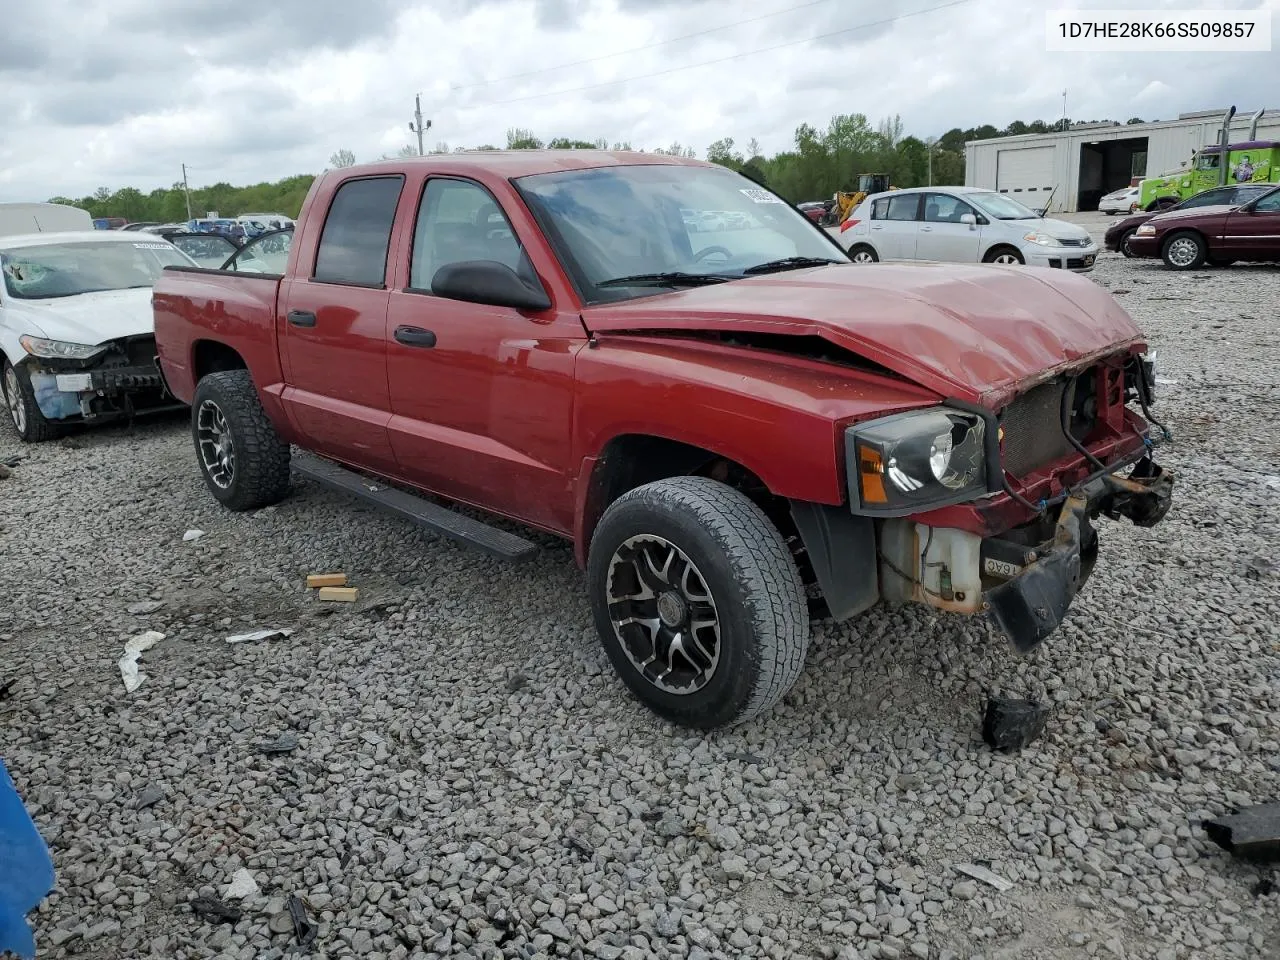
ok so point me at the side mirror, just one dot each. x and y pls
(969, 218)
(489, 282)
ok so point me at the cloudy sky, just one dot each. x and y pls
(122, 92)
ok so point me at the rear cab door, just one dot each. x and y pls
(332, 323)
(894, 223)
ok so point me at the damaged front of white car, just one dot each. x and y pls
(76, 328)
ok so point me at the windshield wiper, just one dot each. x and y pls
(788, 263)
(673, 278)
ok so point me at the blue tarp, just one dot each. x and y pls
(26, 870)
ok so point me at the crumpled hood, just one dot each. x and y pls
(88, 318)
(977, 333)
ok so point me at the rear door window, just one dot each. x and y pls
(904, 207)
(357, 232)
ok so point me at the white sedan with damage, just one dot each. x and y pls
(76, 328)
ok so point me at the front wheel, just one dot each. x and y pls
(1005, 255)
(1124, 242)
(861, 253)
(24, 412)
(1184, 251)
(698, 601)
(243, 461)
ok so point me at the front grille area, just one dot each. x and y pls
(1075, 243)
(1032, 424)
(137, 351)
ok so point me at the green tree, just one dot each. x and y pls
(520, 139)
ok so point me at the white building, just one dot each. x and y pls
(1077, 167)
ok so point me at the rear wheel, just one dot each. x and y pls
(243, 461)
(862, 253)
(1184, 250)
(1006, 255)
(698, 601)
(24, 412)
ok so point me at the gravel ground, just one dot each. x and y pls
(470, 779)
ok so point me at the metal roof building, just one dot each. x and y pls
(1071, 170)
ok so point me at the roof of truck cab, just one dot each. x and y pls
(75, 236)
(520, 163)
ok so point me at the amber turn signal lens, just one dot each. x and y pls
(871, 475)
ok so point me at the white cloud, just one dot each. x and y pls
(123, 92)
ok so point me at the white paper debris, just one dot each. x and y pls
(191, 535)
(129, 662)
(1166, 382)
(242, 885)
(260, 635)
(985, 875)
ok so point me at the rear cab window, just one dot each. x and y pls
(357, 232)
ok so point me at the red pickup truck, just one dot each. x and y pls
(733, 427)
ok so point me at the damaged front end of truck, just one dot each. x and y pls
(972, 510)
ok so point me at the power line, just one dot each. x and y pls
(647, 46)
(735, 56)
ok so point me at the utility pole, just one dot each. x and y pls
(929, 143)
(418, 127)
(1064, 111)
(186, 190)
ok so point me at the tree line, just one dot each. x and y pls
(817, 164)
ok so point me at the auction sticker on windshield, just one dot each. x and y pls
(759, 196)
(151, 246)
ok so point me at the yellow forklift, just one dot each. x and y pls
(844, 203)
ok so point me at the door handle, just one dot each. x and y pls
(302, 318)
(415, 337)
(927, 229)
(876, 226)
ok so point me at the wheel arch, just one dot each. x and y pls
(999, 247)
(214, 356)
(631, 460)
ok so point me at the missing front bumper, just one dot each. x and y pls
(102, 393)
(1032, 604)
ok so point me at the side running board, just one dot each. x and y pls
(449, 523)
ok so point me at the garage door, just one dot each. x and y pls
(1027, 172)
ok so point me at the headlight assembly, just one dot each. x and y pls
(1146, 230)
(59, 349)
(916, 461)
(1043, 239)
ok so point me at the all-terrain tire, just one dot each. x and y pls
(28, 422)
(751, 577)
(260, 473)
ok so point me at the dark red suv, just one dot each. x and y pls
(1219, 236)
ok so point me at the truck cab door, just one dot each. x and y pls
(333, 326)
(481, 395)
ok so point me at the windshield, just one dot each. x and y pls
(70, 269)
(666, 222)
(1000, 207)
